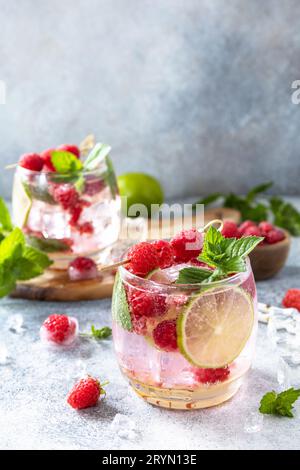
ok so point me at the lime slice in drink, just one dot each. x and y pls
(21, 203)
(215, 326)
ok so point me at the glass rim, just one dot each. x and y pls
(146, 284)
(99, 170)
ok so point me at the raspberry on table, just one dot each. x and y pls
(211, 375)
(146, 303)
(292, 299)
(82, 268)
(165, 253)
(70, 148)
(274, 236)
(66, 195)
(59, 329)
(85, 393)
(187, 245)
(165, 335)
(143, 259)
(46, 156)
(230, 229)
(31, 161)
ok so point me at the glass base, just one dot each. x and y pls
(178, 399)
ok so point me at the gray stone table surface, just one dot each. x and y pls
(33, 386)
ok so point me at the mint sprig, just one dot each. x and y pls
(99, 334)
(18, 260)
(280, 404)
(225, 255)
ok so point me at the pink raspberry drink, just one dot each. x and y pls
(67, 212)
(185, 345)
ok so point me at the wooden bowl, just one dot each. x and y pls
(268, 260)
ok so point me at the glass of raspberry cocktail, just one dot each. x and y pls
(184, 344)
(69, 210)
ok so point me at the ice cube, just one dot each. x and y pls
(283, 374)
(124, 427)
(15, 324)
(4, 355)
(253, 422)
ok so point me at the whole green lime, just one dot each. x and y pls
(140, 188)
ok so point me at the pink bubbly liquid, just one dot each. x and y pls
(166, 378)
(96, 227)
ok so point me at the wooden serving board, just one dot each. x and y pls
(54, 285)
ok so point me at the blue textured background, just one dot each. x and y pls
(196, 92)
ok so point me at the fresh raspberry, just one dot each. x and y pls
(86, 227)
(165, 335)
(211, 375)
(143, 259)
(75, 215)
(165, 253)
(66, 195)
(70, 148)
(245, 225)
(292, 299)
(31, 161)
(230, 229)
(46, 156)
(139, 324)
(181, 245)
(82, 268)
(252, 231)
(85, 393)
(59, 329)
(274, 236)
(147, 304)
(265, 227)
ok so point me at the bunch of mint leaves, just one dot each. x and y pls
(225, 255)
(18, 260)
(280, 404)
(282, 213)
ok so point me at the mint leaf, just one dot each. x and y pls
(242, 246)
(279, 404)
(7, 280)
(11, 247)
(98, 154)
(233, 265)
(65, 162)
(102, 333)
(267, 403)
(5, 220)
(49, 245)
(38, 192)
(23, 269)
(193, 275)
(120, 309)
(260, 188)
(285, 215)
(37, 257)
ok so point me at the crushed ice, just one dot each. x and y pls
(124, 427)
(4, 355)
(15, 324)
(254, 422)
